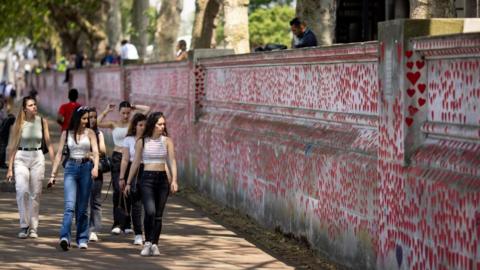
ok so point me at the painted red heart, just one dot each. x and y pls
(412, 110)
(422, 87)
(409, 121)
(408, 54)
(410, 92)
(420, 64)
(413, 77)
(410, 65)
(421, 101)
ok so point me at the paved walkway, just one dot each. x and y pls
(189, 240)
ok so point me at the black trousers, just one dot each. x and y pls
(134, 200)
(155, 190)
(119, 218)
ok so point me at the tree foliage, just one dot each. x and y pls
(40, 20)
(271, 25)
(254, 4)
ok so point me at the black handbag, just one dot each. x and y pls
(104, 164)
(65, 150)
(44, 143)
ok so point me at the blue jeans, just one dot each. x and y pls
(77, 189)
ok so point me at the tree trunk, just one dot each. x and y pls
(114, 24)
(320, 16)
(236, 25)
(139, 25)
(426, 9)
(204, 24)
(168, 25)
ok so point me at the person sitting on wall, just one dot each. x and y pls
(181, 51)
(128, 52)
(303, 36)
(66, 110)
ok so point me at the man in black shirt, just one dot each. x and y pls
(305, 36)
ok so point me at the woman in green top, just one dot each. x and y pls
(27, 158)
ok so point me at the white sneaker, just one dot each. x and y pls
(93, 237)
(33, 234)
(116, 231)
(154, 250)
(23, 233)
(147, 249)
(83, 245)
(138, 240)
(128, 231)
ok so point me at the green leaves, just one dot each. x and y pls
(270, 25)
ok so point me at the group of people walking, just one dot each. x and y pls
(143, 170)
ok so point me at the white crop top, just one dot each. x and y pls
(129, 142)
(118, 135)
(155, 151)
(81, 149)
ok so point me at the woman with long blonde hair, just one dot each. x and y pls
(27, 164)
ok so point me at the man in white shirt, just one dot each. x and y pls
(128, 51)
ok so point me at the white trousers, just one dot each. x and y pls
(29, 170)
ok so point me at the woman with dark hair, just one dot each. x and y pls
(96, 195)
(156, 150)
(119, 131)
(134, 203)
(27, 158)
(79, 173)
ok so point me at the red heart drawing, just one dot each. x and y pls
(408, 54)
(410, 65)
(410, 92)
(420, 64)
(412, 110)
(409, 121)
(422, 87)
(413, 77)
(421, 101)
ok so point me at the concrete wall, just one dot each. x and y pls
(370, 151)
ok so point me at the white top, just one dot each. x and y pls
(128, 51)
(129, 142)
(155, 151)
(81, 148)
(118, 135)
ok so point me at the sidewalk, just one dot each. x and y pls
(189, 239)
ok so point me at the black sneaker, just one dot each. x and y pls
(64, 244)
(23, 233)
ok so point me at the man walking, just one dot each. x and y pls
(66, 110)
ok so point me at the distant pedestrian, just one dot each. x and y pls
(134, 200)
(96, 193)
(66, 110)
(6, 122)
(181, 51)
(79, 173)
(119, 131)
(303, 36)
(27, 164)
(128, 51)
(156, 150)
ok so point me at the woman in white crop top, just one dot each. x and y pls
(29, 162)
(134, 202)
(79, 174)
(156, 150)
(119, 132)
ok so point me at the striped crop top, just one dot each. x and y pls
(155, 151)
